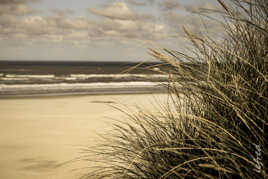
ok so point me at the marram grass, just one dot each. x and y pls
(220, 128)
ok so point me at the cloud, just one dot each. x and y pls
(136, 3)
(16, 1)
(194, 23)
(118, 10)
(127, 29)
(168, 5)
(16, 7)
(18, 10)
(74, 23)
(54, 28)
(62, 12)
(118, 22)
(140, 2)
(7, 20)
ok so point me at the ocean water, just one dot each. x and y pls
(32, 78)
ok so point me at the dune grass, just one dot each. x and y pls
(218, 121)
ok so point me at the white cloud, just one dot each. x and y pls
(16, 1)
(116, 24)
(140, 2)
(62, 12)
(17, 9)
(118, 21)
(54, 28)
(117, 10)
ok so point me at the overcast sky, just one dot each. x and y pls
(97, 30)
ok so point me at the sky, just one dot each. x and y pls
(98, 30)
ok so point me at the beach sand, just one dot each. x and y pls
(41, 136)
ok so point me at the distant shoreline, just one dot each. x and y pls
(59, 95)
(52, 62)
(18, 91)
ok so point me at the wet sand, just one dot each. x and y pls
(41, 135)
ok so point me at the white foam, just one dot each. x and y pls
(13, 79)
(29, 76)
(66, 86)
(116, 75)
(73, 77)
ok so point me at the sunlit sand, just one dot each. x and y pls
(41, 136)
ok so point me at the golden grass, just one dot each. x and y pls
(214, 132)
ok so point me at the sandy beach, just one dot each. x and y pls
(41, 135)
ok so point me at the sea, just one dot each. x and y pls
(54, 78)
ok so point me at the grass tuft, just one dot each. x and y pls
(217, 125)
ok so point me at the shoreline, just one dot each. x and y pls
(16, 91)
(78, 94)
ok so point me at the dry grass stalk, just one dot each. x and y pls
(219, 130)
